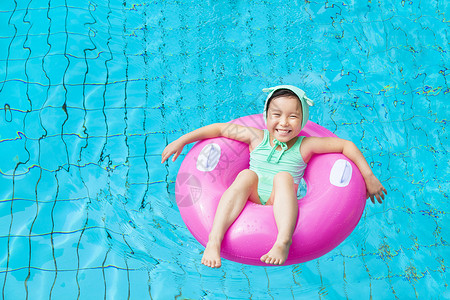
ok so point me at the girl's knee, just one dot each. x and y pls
(284, 188)
(283, 177)
(246, 177)
(247, 174)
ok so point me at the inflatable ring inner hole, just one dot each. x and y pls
(302, 189)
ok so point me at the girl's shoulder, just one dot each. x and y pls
(307, 147)
(257, 137)
(308, 139)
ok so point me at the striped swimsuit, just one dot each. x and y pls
(266, 162)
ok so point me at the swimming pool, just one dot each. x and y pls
(91, 92)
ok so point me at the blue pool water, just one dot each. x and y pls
(92, 91)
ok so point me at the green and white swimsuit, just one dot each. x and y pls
(266, 162)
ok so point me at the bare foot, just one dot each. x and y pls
(278, 254)
(211, 255)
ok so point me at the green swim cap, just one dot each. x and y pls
(305, 101)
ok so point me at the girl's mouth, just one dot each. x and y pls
(283, 131)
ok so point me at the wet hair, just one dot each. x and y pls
(282, 93)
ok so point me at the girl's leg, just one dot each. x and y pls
(285, 210)
(233, 200)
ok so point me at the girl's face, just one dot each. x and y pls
(284, 118)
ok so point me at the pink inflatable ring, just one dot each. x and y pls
(334, 201)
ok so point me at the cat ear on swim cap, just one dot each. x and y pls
(305, 101)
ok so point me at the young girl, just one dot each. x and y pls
(278, 158)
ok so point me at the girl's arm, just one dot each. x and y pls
(229, 130)
(316, 145)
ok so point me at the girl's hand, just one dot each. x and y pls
(174, 147)
(374, 189)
